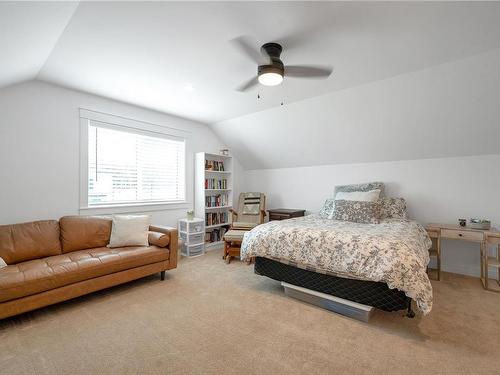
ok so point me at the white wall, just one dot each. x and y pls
(436, 190)
(445, 111)
(39, 150)
(437, 119)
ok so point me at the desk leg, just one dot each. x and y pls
(498, 260)
(438, 252)
(481, 251)
(484, 264)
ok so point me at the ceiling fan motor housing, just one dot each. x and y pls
(273, 50)
(262, 69)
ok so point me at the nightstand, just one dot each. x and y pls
(284, 213)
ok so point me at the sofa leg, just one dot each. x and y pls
(162, 275)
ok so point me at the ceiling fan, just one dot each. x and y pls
(271, 71)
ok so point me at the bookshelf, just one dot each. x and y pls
(213, 195)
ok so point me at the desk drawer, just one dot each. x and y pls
(462, 235)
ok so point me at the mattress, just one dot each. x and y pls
(372, 293)
(393, 253)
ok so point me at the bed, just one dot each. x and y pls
(383, 265)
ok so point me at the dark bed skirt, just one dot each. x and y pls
(371, 293)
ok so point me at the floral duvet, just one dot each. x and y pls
(394, 252)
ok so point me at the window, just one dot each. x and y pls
(132, 166)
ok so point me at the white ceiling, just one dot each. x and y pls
(28, 33)
(147, 53)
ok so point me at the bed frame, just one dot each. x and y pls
(371, 293)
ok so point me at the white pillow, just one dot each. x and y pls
(129, 230)
(2, 263)
(363, 196)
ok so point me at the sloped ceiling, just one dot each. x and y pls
(28, 33)
(445, 111)
(176, 56)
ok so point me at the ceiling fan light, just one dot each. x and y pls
(270, 79)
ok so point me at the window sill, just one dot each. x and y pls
(133, 208)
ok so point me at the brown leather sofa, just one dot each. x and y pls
(51, 261)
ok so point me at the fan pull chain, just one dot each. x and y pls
(281, 103)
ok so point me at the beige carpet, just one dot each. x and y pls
(211, 318)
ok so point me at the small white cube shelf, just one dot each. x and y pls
(192, 233)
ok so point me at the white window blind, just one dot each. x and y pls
(133, 167)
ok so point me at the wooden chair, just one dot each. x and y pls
(250, 213)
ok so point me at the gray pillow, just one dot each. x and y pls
(360, 187)
(327, 208)
(393, 208)
(357, 211)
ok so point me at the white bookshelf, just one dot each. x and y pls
(201, 208)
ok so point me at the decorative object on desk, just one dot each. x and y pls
(480, 224)
(224, 151)
(462, 222)
(190, 215)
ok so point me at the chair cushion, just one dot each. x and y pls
(243, 225)
(234, 235)
(84, 232)
(35, 276)
(27, 241)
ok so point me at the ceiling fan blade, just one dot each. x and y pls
(312, 71)
(245, 45)
(248, 84)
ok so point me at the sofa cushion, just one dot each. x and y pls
(159, 239)
(27, 241)
(84, 232)
(35, 276)
(129, 230)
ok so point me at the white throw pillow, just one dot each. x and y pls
(363, 196)
(129, 230)
(2, 263)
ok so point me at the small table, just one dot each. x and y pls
(284, 213)
(481, 236)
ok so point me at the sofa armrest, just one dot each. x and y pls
(158, 239)
(173, 243)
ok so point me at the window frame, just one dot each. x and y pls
(131, 126)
